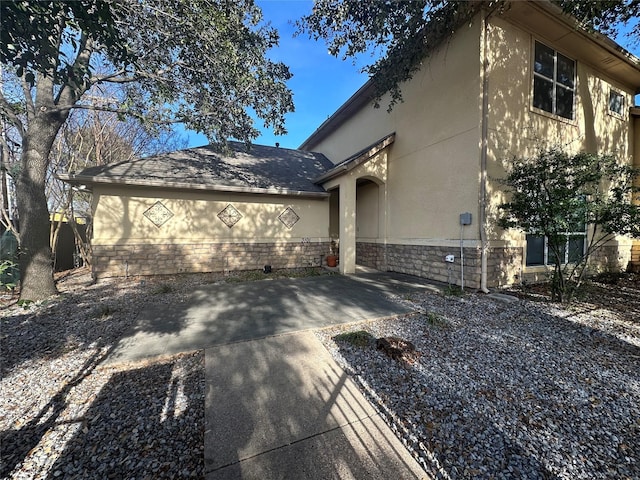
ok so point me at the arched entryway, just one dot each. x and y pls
(358, 206)
(369, 223)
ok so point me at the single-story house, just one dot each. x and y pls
(415, 190)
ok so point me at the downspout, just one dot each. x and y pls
(482, 207)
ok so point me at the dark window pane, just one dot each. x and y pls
(543, 63)
(616, 102)
(543, 94)
(576, 248)
(556, 247)
(566, 71)
(535, 250)
(552, 253)
(564, 102)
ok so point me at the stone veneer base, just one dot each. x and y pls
(503, 264)
(429, 262)
(163, 259)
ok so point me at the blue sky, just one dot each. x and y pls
(320, 83)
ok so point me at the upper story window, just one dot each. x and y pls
(553, 81)
(616, 102)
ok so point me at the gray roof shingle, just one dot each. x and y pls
(262, 168)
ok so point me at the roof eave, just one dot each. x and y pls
(367, 92)
(363, 95)
(91, 181)
(355, 160)
(602, 41)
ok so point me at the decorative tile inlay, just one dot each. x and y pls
(230, 216)
(289, 217)
(158, 214)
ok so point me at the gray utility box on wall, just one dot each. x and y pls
(465, 218)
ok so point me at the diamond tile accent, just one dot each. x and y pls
(289, 217)
(230, 216)
(158, 214)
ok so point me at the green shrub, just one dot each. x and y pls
(8, 274)
(360, 338)
(454, 290)
(435, 319)
(103, 310)
(162, 288)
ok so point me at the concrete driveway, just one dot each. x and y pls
(220, 314)
(277, 406)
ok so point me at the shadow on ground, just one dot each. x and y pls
(281, 408)
(226, 313)
(526, 392)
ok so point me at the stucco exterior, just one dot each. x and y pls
(465, 115)
(194, 238)
(389, 187)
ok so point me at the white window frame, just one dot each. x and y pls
(619, 94)
(545, 253)
(554, 82)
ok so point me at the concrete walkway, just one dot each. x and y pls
(277, 405)
(281, 408)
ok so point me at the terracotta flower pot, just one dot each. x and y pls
(332, 260)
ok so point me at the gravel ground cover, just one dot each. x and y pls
(522, 389)
(499, 390)
(63, 414)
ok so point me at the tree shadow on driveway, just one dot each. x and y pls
(226, 313)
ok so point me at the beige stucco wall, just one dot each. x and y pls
(516, 129)
(433, 162)
(635, 145)
(119, 217)
(434, 165)
(194, 239)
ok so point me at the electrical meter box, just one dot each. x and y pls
(465, 218)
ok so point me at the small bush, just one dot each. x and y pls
(435, 320)
(360, 338)
(8, 274)
(609, 278)
(104, 310)
(454, 290)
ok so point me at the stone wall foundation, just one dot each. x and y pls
(429, 262)
(164, 259)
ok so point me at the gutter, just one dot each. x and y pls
(356, 159)
(482, 207)
(89, 180)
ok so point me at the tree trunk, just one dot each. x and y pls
(36, 266)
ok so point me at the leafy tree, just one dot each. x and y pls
(96, 137)
(400, 34)
(556, 193)
(200, 62)
(606, 16)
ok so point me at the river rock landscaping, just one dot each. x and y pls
(510, 388)
(494, 388)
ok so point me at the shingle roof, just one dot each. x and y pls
(356, 159)
(261, 169)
